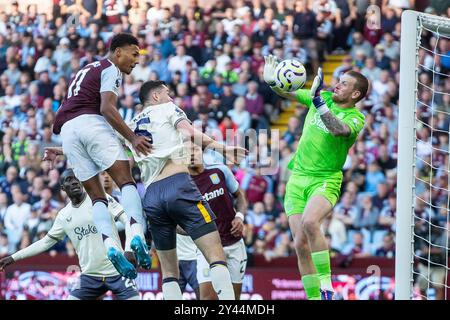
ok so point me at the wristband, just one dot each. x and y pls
(239, 215)
(323, 109)
(320, 105)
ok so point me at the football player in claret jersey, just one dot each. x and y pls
(75, 220)
(86, 121)
(171, 196)
(219, 188)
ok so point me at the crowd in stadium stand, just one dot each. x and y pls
(212, 58)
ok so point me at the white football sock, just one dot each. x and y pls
(221, 281)
(171, 289)
(131, 202)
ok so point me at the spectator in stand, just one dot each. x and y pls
(293, 131)
(366, 219)
(239, 115)
(228, 98)
(305, 28)
(3, 208)
(371, 70)
(256, 185)
(255, 106)
(380, 198)
(337, 231)
(347, 65)
(273, 208)
(356, 247)
(381, 59)
(346, 211)
(127, 110)
(16, 216)
(13, 73)
(374, 177)
(388, 248)
(240, 88)
(386, 220)
(180, 60)
(256, 217)
(7, 181)
(142, 70)
(43, 63)
(360, 44)
(384, 160)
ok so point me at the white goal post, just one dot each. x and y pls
(412, 25)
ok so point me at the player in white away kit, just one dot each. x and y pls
(86, 121)
(98, 275)
(171, 197)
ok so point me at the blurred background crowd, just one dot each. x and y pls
(211, 54)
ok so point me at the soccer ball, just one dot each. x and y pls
(290, 75)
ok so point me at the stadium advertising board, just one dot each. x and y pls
(258, 284)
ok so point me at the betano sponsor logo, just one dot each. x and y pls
(214, 194)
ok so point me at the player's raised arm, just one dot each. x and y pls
(270, 65)
(352, 86)
(300, 95)
(109, 111)
(232, 153)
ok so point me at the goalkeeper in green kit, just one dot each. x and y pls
(331, 128)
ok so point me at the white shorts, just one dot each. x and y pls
(236, 256)
(90, 145)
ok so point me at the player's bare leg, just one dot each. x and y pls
(211, 248)
(103, 222)
(207, 291)
(170, 274)
(120, 172)
(305, 265)
(316, 210)
(237, 288)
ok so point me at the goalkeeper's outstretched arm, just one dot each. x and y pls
(287, 95)
(270, 65)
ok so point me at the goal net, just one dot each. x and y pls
(423, 224)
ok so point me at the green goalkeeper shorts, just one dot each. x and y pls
(300, 188)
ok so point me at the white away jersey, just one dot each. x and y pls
(158, 123)
(78, 225)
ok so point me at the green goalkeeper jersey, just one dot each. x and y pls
(319, 152)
